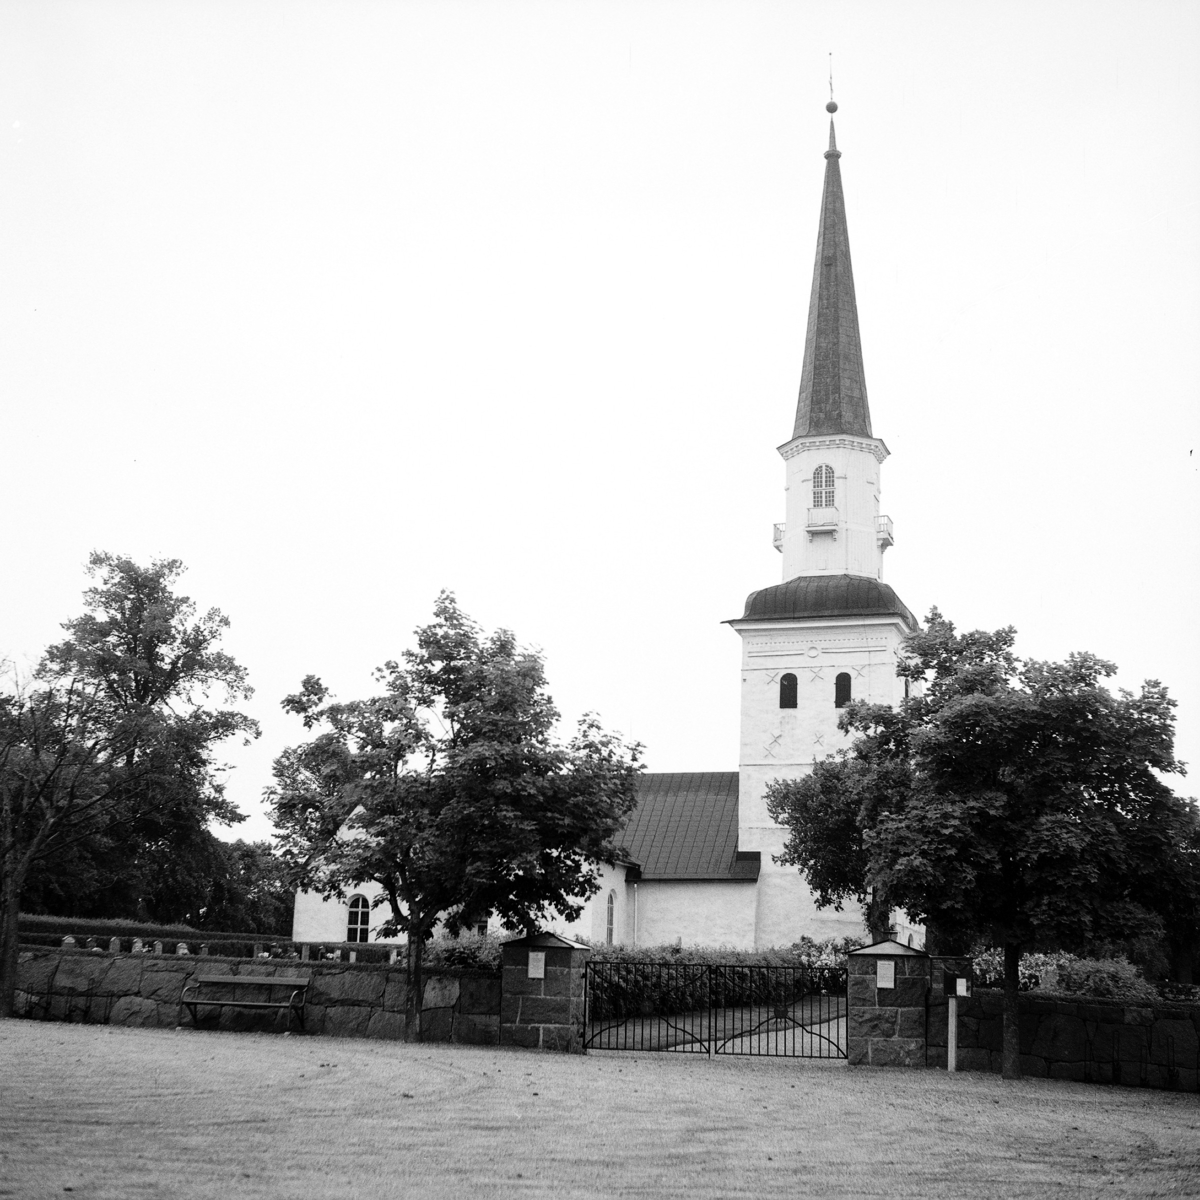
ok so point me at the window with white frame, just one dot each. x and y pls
(823, 486)
(359, 923)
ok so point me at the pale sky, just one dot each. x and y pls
(344, 303)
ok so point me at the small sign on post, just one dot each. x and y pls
(954, 986)
(537, 964)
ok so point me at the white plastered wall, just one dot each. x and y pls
(782, 743)
(695, 912)
(851, 546)
(316, 919)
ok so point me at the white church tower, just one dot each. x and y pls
(830, 631)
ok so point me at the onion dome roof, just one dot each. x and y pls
(826, 596)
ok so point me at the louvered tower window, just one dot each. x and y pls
(823, 486)
(360, 919)
(841, 690)
(787, 691)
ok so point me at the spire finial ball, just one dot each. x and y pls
(831, 107)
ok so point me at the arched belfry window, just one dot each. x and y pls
(787, 691)
(823, 486)
(841, 690)
(360, 919)
(610, 918)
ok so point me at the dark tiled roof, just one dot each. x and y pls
(685, 826)
(833, 389)
(826, 596)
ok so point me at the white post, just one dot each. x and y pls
(952, 1033)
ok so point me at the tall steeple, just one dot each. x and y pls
(833, 390)
(833, 526)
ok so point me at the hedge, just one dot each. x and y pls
(107, 927)
(689, 978)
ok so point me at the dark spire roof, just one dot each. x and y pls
(833, 392)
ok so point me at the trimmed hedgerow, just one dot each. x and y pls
(665, 980)
(1066, 974)
(108, 927)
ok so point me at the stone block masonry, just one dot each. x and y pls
(543, 993)
(344, 999)
(1087, 1040)
(885, 1026)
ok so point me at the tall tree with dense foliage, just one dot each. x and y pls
(63, 779)
(1014, 801)
(449, 790)
(149, 653)
(108, 763)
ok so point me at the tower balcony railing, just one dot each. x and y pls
(777, 538)
(883, 532)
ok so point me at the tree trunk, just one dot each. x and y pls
(415, 986)
(878, 917)
(1183, 956)
(10, 899)
(1010, 1065)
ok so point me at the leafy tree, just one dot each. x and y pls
(1014, 801)
(108, 756)
(448, 790)
(63, 776)
(251, 890)
(147, 652)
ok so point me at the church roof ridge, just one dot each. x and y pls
(833, 389)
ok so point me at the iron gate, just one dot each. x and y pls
(792, 1012)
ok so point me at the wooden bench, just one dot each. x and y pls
(191, 998)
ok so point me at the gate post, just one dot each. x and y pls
(886, 987)
(543, 993)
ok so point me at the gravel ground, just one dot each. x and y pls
(128, 1113)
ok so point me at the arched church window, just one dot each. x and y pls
(823, 486)
(841, 690)
(360, 919)
(787, 691)
(610, 918)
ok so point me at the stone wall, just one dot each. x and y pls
(543, 1006)
(885, 1027)
(1092, 1041)
(344, 999)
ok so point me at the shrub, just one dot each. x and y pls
(473, 951)
(1068, 975)
(689, 978)
(1110, 978)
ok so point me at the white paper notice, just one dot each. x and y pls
(962, 986)
(537, 964)
(885, 974)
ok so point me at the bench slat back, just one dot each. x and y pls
(267, 980)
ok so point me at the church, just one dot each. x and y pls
(699, 863)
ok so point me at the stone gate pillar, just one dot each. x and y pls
(542, 1002)
(886, 989)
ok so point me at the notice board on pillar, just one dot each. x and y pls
(885, 973)
(537, 964)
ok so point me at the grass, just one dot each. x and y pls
(137, 1113)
